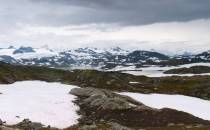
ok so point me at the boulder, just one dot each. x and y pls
(116, 126)
(104, 99)
(106, 126)
(26, 124)
(86, 92)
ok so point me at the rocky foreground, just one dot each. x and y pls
(195, 86)
(102, 109)
(99, 106)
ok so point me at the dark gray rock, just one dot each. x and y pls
(89, 127)
(86, 92)
(111, 126)
(116, 126)
(104, 99)
(106, 103)
(1, 122)
(26, 124)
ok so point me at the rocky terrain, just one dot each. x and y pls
(191, 70)
(99, 105)
(103, 109)
(196, 86)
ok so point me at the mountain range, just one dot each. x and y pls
(94, 57)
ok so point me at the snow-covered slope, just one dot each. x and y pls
(7, 51)
(195, 106)
(48, 103)
(158, 71)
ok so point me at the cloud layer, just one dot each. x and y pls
(137, 23)
(135, 12)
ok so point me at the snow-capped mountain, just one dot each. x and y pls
(94, 57)
(45, 56)
(23, 50)
(204, 56)
(137, 56)
(26, 52)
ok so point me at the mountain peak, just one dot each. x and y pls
(11, 47)
(23, 49)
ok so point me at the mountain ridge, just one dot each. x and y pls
(95, 57)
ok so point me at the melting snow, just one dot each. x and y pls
(48, 103)
(195, 106)
(131, 82)
(157, 71)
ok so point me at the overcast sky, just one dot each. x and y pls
(169, 25)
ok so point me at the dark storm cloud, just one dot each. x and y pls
(124, 12)
(134, 12)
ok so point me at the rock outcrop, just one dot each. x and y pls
(101, 126)
(99, 105)
(105, 100)
(26, 124)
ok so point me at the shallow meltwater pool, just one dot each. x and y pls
(194, 106)
(47, 103)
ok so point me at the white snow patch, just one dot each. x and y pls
(48, 103)
(132, 82)
(195, 106)
(157, 71)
